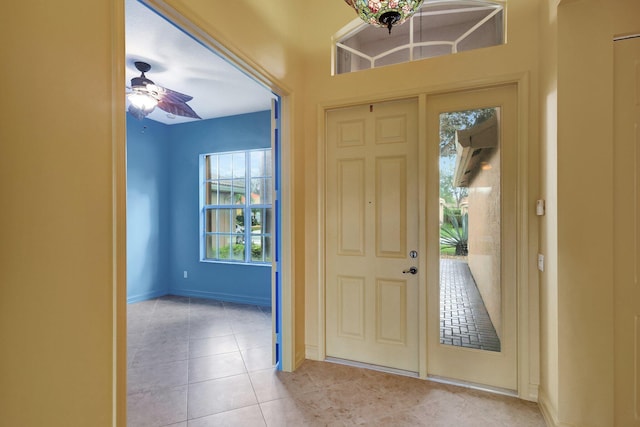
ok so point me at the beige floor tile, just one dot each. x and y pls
(157, 407)
(249, 416)
(147, 377)
(271, 385)
(220, 395)
(258, 358)
(213, 345)
(216, 366)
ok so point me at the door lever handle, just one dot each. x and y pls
(411, 270)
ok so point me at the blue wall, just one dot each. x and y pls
(148, 204)
(179, 221)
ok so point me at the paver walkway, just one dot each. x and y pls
(464, 320)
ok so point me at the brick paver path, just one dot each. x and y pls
(464, 320)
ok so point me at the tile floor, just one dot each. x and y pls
(197, 363)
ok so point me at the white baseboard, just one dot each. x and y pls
(532, 393)
(549, 412)
(311, 352)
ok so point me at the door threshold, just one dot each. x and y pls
(475, 386)
(378, 368)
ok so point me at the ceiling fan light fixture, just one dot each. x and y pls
(385, 13)
(143, 102)
(146, 95)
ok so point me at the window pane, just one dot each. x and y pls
(256, 221)
(224, 251)
(224, 166)
(261, 221)
(267, 221)
(211, 193)
(211, 246)
(210, 220)
(238, 251)
(257, 163)
(211, 167)
(257, 248)
(238, 191)
(224, 191)
(267, 163)
(223, 221)
(422, 52)
(239, 223)
(257, 187)
(393, 58)
(266, 249)
(238, 165)
(268, 191)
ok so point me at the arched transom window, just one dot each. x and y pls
(439, 28)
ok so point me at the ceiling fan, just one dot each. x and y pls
(145, 95)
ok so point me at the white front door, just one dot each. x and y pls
(371, 229)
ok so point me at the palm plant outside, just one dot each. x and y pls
(454, 233)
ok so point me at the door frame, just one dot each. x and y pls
(527, 287)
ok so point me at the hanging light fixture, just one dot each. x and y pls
(385, 13)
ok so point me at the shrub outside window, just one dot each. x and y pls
(236, 206)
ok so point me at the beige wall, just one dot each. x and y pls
(549, 222)
(577, 285)
(585, 263)
(56, 250)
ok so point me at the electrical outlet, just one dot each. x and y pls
(540, 262)
(185, 274)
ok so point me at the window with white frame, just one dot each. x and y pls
(236, 206)
(439, 27)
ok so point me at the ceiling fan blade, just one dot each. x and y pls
(168, 94)
(177, 108)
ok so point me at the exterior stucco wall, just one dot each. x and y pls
(485, 237)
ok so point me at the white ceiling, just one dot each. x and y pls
(180, 63)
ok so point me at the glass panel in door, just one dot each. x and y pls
(469, 218)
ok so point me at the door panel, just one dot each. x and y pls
(471, 287)
(371, 226)
(627, 231)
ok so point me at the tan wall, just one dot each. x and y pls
(56, 250)
(485, 236)
(549, 222)
(585, 263)
(577, 285)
